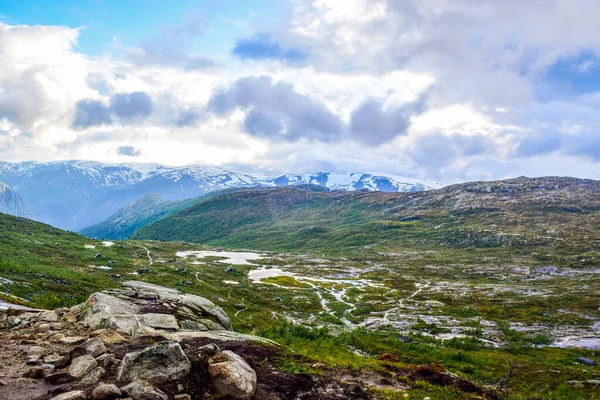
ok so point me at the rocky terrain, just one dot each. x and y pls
(147, 342)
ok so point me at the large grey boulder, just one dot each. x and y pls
(129, 310)
(105, 391)
(232, 376)
(93, 347)
(198, 304)
(159, 363)
(81, 366)
(93, 378)
(74, 395)
(142, 390)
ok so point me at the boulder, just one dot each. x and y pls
(49, 316)
(13, 321)
(58, 377)
(159, 363)
(74, 395)
(39, 371)
(73, 340)
(142, 390)
(195, 303)
(81, 366)
(126, 310)
(38, 351)
(105, 392)
(94, 347)
(110, 337)
(93, 378)
(232, 376)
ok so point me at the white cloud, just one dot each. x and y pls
(479, 65)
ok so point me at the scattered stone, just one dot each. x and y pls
(57, 360)
(210, 349)
(106, 392)
(81, 366)
(93, 378)
(71, 340)
(58, 377)
(182, 397)
(111, 337)
(93, 347)
(159, 363)
(38, 372)
(33, 360)
(13, 321)
(74, 395)
(38, 351)
(232, 376)
(51, 359)
(142, 390)
(49, 316)
(586, 361)
(43, 328)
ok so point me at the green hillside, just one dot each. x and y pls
(141, 212)
(520, 213)
(135, 215)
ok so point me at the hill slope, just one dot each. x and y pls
(139, 213)
(516, 212)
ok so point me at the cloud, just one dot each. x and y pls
(91, 113)
(539, 143)
(128, 106)
(188, 117)
(584, 144)
(39, 74)
(373, 124)
(437, 151)
(276, 110)
(129, 151)
(170, 48)
(262, 47)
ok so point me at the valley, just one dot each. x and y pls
(445, 277)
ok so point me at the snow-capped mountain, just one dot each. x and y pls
(348, 181)
(76, 194)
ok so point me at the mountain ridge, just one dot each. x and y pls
(516, 212)
(11, 203)
(77, 194)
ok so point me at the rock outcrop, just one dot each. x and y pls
(128, 343)
(159, 363)
(232, 376)
(140, 306)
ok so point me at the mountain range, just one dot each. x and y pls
(74, 195)
(12, 203)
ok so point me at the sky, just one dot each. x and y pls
(428, 89)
